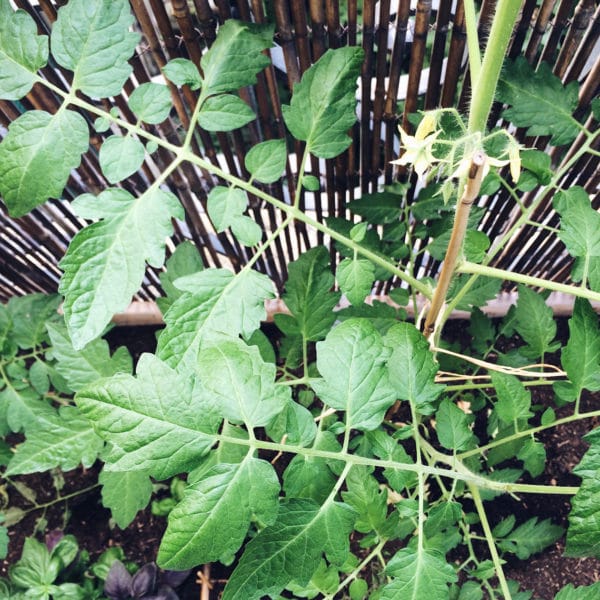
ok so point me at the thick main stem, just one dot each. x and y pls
(461, 219)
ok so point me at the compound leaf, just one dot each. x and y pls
(212, 519)
(224, 205)
(184, 261)
(588, 592)
(105, 263)
(80, 367)
(242, 384)
(37, 155)
(323, 104)
(351, 362)
(57, 439)
(530, 537)
(22, 52)
(24, 408)
(30, 314)
(92, 38)
(418, 575)
(120, 157)
(367, 499)
(182, 71)
(158, 422)
(583, 536)
(224, 113)
(291, 549)
(235, 57)
(453, 426)
(308, 294)
(151, 102)
(412, 367)
(579, 222)
(125, 493)
(539, 101)
(355, 277)
(514, 400)
(217, 303)
(534, 322)
(580, 357)
(266, 161)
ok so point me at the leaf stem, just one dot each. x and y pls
(473, 268)
(490, 540)
(472, 40)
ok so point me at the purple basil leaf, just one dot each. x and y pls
(53, 537)
(143, 581)
(174, 578)
(164, 592)
(118, 582)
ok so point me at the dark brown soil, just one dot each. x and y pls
(544, 574)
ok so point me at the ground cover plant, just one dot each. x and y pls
(358, 425)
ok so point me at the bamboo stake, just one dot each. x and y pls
(463, 209)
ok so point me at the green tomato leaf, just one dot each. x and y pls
(311, 183)
(22, 52)
(224, 113)
(186, 260)
(105, 263)
(453, 427)
(580, 358)
(131, 413)
(224, 205)
(323, 104)
(379, 208)
(367, 499)
(579, 222)
(412, 367)
(588, 592)
(80, 367)
(212, 520)
(355, 277)
(37, 156)
(484, 289)
(534, 322)
(266, 161)
(294, 422)
(539, 101)
(533, 455)
(29, 315)
(24, 408)
(418, 575)
(151, 102)
(64, 439)
(125, 493)
(291, 549)
(351, 361)
(182, 71)
(308, 294)
(242, 384)
(514, 400)
(235, 57)
(217, 303)
(247, 231)
(583, 538)
(120, 157)
(530, 538)
(92, 38)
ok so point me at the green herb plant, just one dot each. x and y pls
(343, 462)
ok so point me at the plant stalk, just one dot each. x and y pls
(484, 87)
(461, 219)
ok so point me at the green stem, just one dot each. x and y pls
(528, 432)
(483, 386)
(472, 40)
(473, 268)
(490, 540)
(484, 87)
